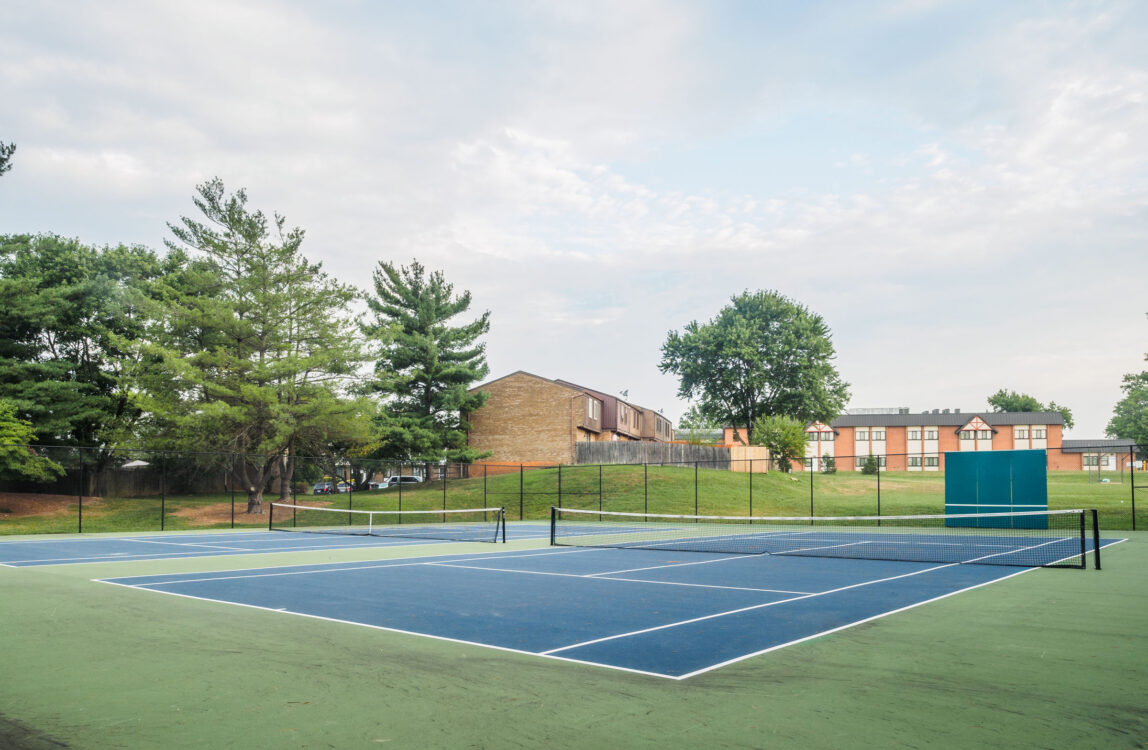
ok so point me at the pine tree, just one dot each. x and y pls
(425, 365)
(255, 345)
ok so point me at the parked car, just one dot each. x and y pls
(405, 479)
(322, 488)
(344, 487)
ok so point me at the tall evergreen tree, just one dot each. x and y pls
(6, 151)
(425, 365)
(256, 344)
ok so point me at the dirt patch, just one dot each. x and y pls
(23, 504)
(217, 513)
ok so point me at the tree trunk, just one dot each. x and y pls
(255, 500)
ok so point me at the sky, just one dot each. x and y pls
(960, 189)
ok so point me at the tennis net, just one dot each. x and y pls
(1030, 539)
(472, 525)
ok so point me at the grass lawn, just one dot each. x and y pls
(653, 489)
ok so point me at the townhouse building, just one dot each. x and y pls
(903, 441)
(531, 419)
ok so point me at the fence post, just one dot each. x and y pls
(521, 493)
(645, 488)
(751, 488)
(878, 490)
(599, 490)
(80, 498)
(559, 485)
(162, 490)
(811, 498)
(445, 467)
(484, 485)
(1132, 481)
(231, 481)
(695, 491)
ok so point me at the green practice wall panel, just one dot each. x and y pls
(997, 482)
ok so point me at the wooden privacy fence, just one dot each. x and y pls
(736, 458)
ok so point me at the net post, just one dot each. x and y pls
(270, 515)
(294, 517)
(1083, 545)
(1095, 540)
(502, 518)
(553, 522)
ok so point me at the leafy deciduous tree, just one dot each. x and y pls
(762, 355)
(68, 317)
(1130, 416)
(784, 436)
(1012, 401)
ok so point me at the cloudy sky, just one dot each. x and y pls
(959, 188)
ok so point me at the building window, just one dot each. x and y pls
(915, 435)
(930, 461)
(827, 437)
(809, 463)
(592, 408)
(1022, 434)
(930, 434)
(811, 437)
(862, 434)
(881, 461)
(878, 434)
(984, 435)
(914, 462)
(861, 461)
(1090, 460)
(967, 434)
(1038, 434)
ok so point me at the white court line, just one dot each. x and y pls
(676, 565)
(329, 568)
(598, 577)
(396, 630)
(135, 556)
(745, 609)
(189, 544)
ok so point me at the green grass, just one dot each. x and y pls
(1049, 659)
(654, 489)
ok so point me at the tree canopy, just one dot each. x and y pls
(1130, 416)
(1013, 401)
(762, 355)
(425, 364)
(253, 345)
(6, 151)
(18, 460)
(69, 316)
(783, 436)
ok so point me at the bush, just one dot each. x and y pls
(828, 464)
(871, 466)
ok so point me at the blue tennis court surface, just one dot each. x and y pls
(95, 549)
(665, 613)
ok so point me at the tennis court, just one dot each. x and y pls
(669, 613)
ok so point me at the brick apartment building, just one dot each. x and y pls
(901, 441)
(531, 419)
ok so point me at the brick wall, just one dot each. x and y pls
(528, 419)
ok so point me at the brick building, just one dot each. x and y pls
(901, 441)
(532, 419)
